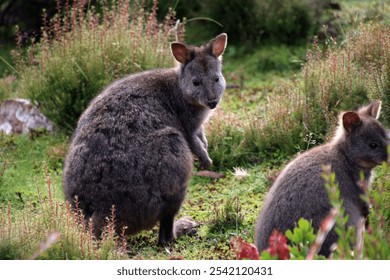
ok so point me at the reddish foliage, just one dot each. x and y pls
(278, 246)
(244, 250)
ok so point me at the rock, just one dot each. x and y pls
(20, 116)
(186, 225)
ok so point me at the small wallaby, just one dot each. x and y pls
(359, 145)
(134, 145)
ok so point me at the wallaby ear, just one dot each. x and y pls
(372, 110)
(218, 44)
(351, 120)
(376, 109)
(180, 52)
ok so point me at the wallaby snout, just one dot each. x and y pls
(212, 104)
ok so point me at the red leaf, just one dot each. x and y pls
(278, 246)
(244, 250)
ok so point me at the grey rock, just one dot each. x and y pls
(20, 116)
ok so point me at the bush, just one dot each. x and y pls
(81, 53)
(26, 14)
(288, 21)
(252, 21)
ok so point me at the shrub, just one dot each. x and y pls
(82, 52)
(253, 21)
(289, 22)
(23, 13)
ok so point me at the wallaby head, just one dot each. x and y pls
(200, 76)
(365, 138)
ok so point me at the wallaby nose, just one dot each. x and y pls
(212, 104)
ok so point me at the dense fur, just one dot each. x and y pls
(360, 144)
(134, 146)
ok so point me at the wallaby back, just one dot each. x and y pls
(133, 147)
(359, 145)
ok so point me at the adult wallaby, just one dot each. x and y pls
(359, 145)
(134, 145)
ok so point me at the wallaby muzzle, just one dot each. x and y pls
(212, 104)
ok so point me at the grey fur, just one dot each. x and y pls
(299, 190)
(134, 145)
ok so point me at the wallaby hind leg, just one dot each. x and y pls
(165, 234)
(98, 223)
(330, 239)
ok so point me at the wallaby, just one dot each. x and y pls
(133, 146)
(360, 144)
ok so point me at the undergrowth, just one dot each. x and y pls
(304, 110)
(226, 209)
(354, 243)
(53, 231)
(49, 229)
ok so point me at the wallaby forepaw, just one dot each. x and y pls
(165, 240)
(186, 225)
(205, 164)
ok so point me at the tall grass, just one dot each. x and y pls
(52, 230)
(82, 51)
(303, 111)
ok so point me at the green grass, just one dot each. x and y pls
(212, 203)
(264, 65)
(225, 208)
(26, 159)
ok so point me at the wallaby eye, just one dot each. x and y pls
(196, 82)
(374, 145)
(216, 79)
